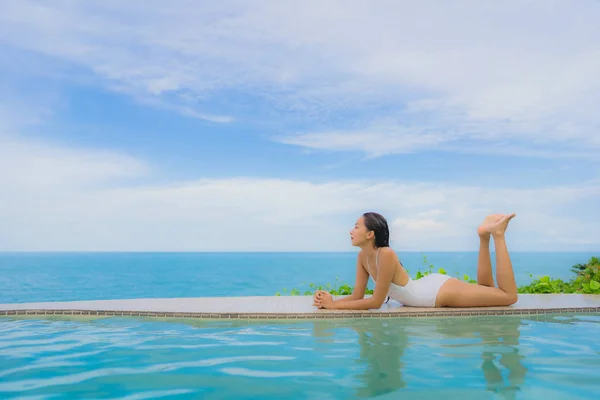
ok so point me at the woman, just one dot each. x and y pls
(378, 260)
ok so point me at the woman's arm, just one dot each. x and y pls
(384, 278)
(362, 278)
(360, 285)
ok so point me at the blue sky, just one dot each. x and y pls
(273, 125)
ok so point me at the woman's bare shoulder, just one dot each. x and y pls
(360, 256)
(361, 259)
(389, 253)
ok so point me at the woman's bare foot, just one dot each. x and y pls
(498, 228)
(484, 229)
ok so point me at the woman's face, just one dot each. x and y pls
(359, 234)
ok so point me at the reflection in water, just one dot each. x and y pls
(381, 350)
(384, 358)
(499, 348)
(379, 364)
(507, 335)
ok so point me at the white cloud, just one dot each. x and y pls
(387, 78)
(28, 164)
(376, 142)
(415, 232)
(54, 198)
(523, 71)
(222, 119)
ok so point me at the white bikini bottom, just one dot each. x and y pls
(420, 292)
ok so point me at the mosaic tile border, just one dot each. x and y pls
(313, 315)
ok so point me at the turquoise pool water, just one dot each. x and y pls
(508, 357)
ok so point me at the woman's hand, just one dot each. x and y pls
(322, 299)
(316, 296)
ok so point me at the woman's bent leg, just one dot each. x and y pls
(456, 293)
(485, 277)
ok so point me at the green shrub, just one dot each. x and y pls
(339, 289)
(586, 281)
(545, 284)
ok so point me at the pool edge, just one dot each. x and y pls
(455, 312)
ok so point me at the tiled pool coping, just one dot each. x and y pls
(290, 307)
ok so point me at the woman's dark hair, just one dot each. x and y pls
(377, 223)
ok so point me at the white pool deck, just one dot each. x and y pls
(290, 307)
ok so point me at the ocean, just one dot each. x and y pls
(38, 277)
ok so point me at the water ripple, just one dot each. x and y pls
(271, 374)
(127, 358)
(155, 394)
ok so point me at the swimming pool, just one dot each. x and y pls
(539, 356)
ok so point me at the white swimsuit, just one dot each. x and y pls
(416, 293)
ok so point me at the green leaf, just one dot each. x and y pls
(442, 271)
(594, 285)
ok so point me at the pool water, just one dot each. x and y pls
(499, 357)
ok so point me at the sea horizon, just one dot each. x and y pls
(71, 276)
(272, 251)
